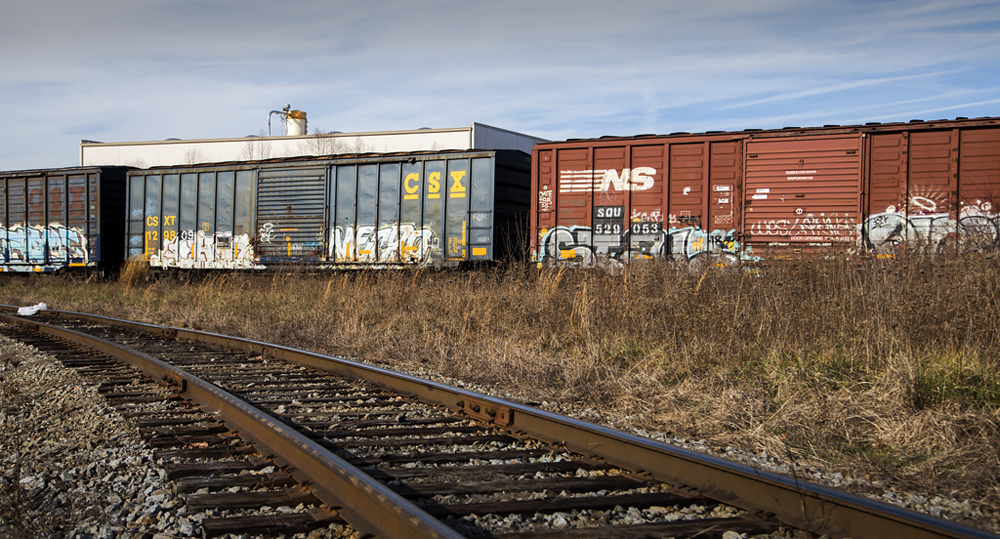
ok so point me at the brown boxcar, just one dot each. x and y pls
(727, 196)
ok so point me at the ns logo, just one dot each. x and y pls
(635, 179)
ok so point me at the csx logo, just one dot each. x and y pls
(586, 181)
(411, 184)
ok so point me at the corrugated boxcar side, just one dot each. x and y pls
(438, 209)
(933, 188)
(291, 213)
(979, 188)
(441, 208)
(61, 218)
(802, 191)
(644, 198)
(192, 218)
(763, 193)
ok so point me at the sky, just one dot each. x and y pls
(138, 70)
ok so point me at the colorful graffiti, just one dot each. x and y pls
(390, 243)
(55, 244)
(690, 243)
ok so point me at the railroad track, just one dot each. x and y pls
(254, 425)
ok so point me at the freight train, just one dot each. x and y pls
(758, 194)
(439, 208)
(722, 197)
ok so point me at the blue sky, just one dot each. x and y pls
(149, 69)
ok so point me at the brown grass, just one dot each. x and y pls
(888, 368)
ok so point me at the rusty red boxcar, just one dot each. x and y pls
(729, 196)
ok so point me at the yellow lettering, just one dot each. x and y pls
(411, 189)
(152, 220)
(457, 189)
(434, 185)
(169, 221)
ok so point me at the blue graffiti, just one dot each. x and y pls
(42, 245)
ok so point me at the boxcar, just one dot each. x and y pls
(55, 219)
(438, 208)
(750, 194)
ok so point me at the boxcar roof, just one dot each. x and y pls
(794, 131)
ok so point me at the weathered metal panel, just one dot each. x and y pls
(611, 197)
(933, 172)
(979, 189)
(726, 171)
(802, 191)
(884, 228)
(645, 222)
(457, 223)
(291, 214)
(932, 198)
(187, 218)
(888, 173)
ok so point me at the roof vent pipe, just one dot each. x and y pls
(295, 121)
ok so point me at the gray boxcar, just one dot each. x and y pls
(55, 219)
(441, 208)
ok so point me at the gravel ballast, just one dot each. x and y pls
(74, 467)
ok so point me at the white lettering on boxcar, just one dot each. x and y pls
(589, 181)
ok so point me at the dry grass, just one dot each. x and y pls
(885, 367)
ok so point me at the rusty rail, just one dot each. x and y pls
(366, 503)
(801, 504)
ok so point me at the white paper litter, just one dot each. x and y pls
(28, 311)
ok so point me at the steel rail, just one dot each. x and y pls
(366, 503)
(796, 502)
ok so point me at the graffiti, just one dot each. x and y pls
(391, 243)
(196, 250)
(924, 204)
(590, 181)
(686, 219)
(43, 245)
(974, 229)
(266, 233)
(583, 245)
(809, 228)
(545, 200)
(655, 215)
